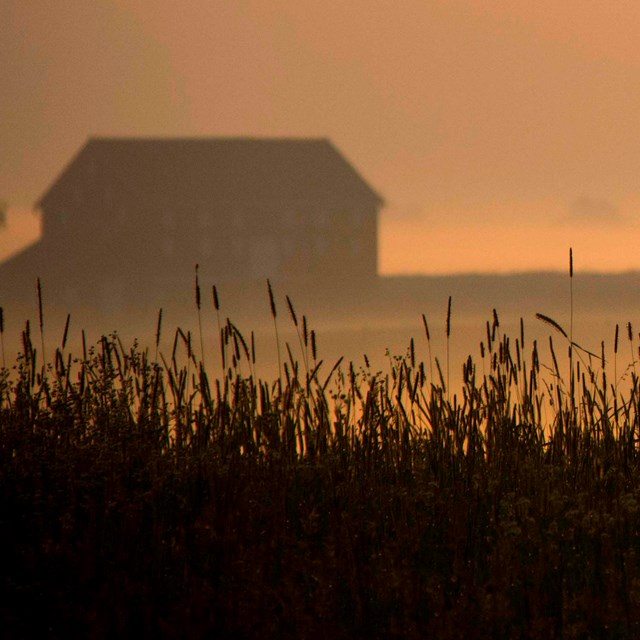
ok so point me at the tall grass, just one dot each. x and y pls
(142, 497)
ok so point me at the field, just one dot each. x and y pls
(151, 492)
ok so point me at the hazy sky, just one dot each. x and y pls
(499, 132)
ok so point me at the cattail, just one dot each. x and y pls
(615, 342)
(449, 318)
(629, 332)
(314, 351)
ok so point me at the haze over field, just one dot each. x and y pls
(498, 133)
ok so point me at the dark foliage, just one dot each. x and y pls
(140, 500)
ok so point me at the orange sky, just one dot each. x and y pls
(499, 132)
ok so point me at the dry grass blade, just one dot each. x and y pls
(66, 331)
(41, 323)
(294, 317)
(197, 287)
(333, 370)
(228, 482)
(4, 364)
(272, 302)
(158, 333)
(551, 322)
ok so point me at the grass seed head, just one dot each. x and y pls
(292, 311)
(197, 288)
(272, 301)
(571, 262)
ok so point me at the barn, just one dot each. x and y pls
(128, 219)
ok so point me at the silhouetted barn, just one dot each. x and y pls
(129, 218)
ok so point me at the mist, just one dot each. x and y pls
(464, 115)
(499, 137)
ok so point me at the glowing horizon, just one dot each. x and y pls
(499, 134)
(412, 246)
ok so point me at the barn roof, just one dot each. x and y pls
(258, 168)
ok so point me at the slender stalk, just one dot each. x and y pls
(448, 336)
(274, 315)
(198, 305)
(216, 304)
(41, 322)
(158, 333)
(4, 364)
(572, 375)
